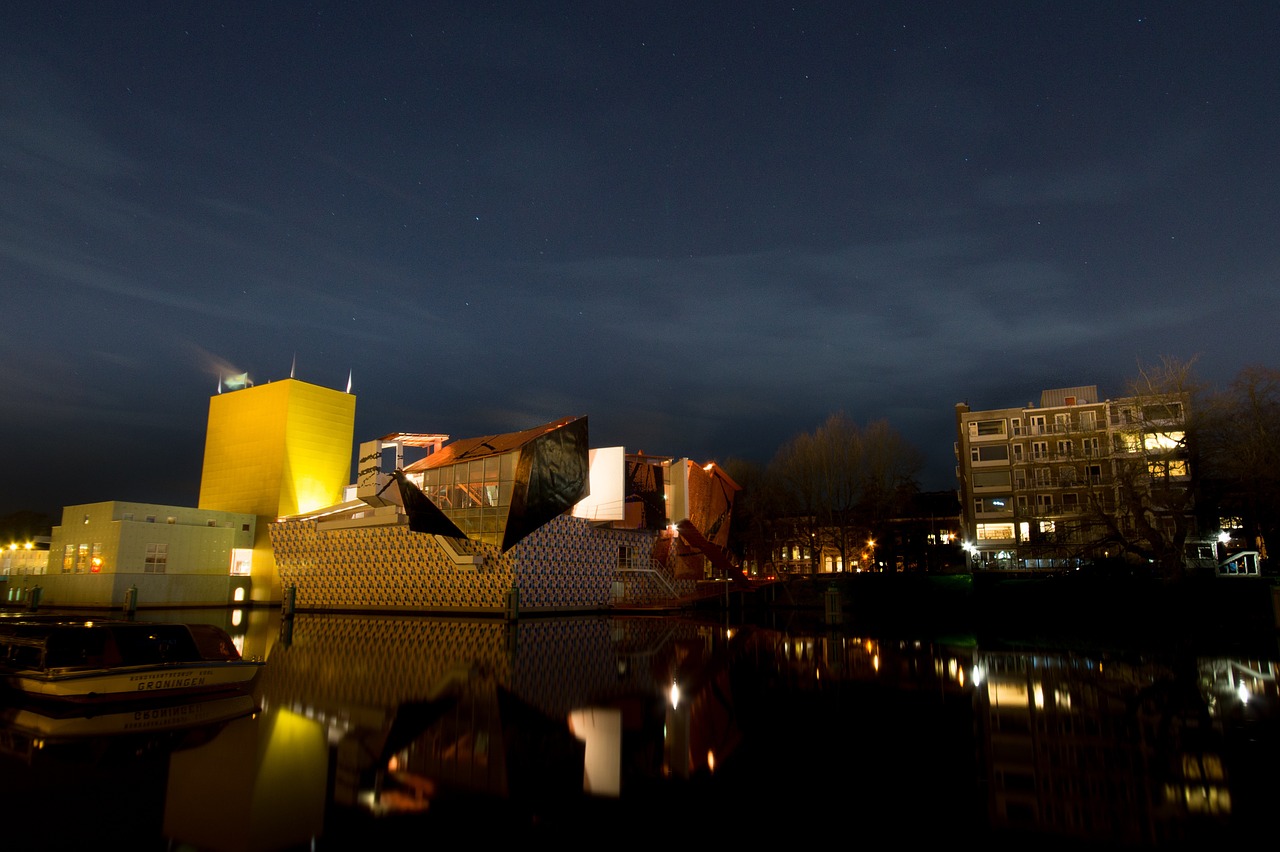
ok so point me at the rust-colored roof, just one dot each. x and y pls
(414, 439)
(467, 449)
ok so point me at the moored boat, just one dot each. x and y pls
(94, 660)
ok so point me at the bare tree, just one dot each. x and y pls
(839, 485)
(1151, 511)
(1241, 453)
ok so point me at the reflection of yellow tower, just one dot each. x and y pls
(272, 450)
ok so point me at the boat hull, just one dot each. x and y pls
(136, 682)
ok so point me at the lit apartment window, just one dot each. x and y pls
(68, 559)
(82, 558)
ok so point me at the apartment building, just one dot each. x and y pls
(1076, 480)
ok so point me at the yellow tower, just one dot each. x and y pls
(272, 450)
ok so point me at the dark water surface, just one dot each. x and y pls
(367, 732)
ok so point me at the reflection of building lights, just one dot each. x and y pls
(1224, 537)
(675, 694)
(711, 760)
(978, 674)
(1243, 692)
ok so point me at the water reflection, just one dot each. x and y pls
(370, 729)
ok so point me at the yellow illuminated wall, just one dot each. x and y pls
(276, 449)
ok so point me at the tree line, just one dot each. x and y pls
(835, 489)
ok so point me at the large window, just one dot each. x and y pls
(991, 478)
(991, 504)
(990, 453)
(994, 532)
(474, 494)
(986, 428)
(157, 558)
(1164, 468)
(1039, 449)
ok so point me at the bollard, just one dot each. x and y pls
(290, 601)
(131, 600)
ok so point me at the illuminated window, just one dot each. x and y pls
(157, 558)
(68, 558)
(241, 561)
(95, 560)
(998, 532)
(1167, 467)
(1163, 440)
(82, 558)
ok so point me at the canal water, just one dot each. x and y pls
(367, 731)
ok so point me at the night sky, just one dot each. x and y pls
(706, 226)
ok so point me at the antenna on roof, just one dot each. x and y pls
(349, 381)
(294, 366)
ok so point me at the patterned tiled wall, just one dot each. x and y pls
(335, 663)
(566, 565)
